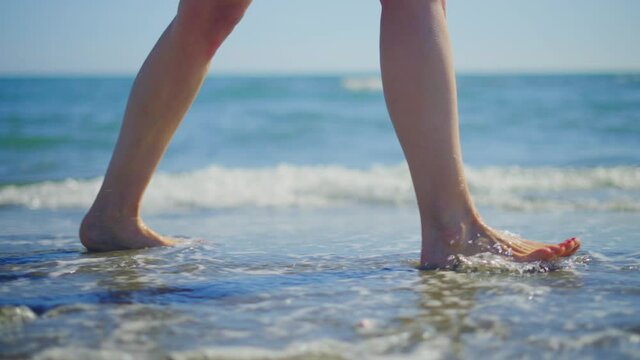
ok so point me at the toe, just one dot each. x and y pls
(544, 253)
(567, 247)
(573, 245)
(558, 250)
(572, 251)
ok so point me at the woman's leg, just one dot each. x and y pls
(161, 95)
(420, 91)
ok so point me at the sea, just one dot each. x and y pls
(298, 230)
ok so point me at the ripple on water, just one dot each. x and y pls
(199, 300)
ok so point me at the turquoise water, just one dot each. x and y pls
(300, 233)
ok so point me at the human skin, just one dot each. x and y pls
(420, 92)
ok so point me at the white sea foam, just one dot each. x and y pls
(375, 348)
(362, 84)
(514, 188)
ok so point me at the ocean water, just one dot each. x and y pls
(299, 231)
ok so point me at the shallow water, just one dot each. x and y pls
(339, 283)
(300, 236)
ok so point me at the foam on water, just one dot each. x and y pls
(321, 261)
(362, 84)
(337, 283)
(492, 263)
(377, 348)
(513, 188)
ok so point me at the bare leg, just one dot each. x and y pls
(161, 95)
(420, 91)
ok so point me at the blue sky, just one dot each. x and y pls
(305, 36)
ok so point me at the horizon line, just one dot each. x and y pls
(320, 73)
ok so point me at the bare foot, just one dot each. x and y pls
(476, 237)
(107, 233)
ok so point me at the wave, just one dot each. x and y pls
(362, 84)
(512, 188)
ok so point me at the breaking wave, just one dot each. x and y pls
(362, 84)
(512, 188)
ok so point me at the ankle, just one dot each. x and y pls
(107, 206)
(446, 236)
(436, 221)
(102, 221)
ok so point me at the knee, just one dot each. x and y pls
(205, 24)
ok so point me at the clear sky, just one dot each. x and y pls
(293, 36)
